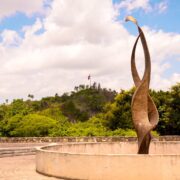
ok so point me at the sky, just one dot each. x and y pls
(51, 46)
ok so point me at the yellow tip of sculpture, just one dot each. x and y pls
(132, 19)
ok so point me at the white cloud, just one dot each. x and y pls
(10, 38)
(135, 4)
(145, 5)
(29, 7)
(162, 6)
(80, 37)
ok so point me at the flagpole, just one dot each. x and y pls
(89, 78)
(90, 81)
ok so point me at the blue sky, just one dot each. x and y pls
(41, 40)
(166, 20)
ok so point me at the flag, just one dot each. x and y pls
(89, 77)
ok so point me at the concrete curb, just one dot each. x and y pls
(20, 151)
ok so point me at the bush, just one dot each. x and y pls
(34, 125)
(122, 132)
(118, 114)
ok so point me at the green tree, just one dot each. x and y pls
(175, 110)
(18, 106)
(34, 125)
(118, 114)
(12, 124)
(162, 100)
(31, 96)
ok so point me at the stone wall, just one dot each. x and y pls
(80, 139)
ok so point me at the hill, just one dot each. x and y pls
(86, 111)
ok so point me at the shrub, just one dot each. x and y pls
(34, 125)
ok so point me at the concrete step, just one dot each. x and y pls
(5, 152)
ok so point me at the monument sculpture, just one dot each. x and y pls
(144, 112)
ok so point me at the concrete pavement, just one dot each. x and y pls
(20, 168)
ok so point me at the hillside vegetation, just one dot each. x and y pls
(86, 111)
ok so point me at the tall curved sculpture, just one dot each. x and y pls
(144, 112)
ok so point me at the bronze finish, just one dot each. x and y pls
(144, 112)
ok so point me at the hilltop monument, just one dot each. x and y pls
(144, 112)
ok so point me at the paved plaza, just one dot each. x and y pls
(20, 167)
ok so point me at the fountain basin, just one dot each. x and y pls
(109, 161)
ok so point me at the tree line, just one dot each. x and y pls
(86, 111)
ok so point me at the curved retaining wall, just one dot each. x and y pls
(110, 161)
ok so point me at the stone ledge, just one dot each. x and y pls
(80, 139)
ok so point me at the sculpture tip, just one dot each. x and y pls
(132, 19)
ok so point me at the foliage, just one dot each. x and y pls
(18, 106)
(162, 100)
(175, 110)
(86, 102)
(62, 121)
(86, 111)
(168, 104)
(33, 125)
(118, 114)
(95, 127)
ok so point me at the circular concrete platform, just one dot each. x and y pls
(110, 161)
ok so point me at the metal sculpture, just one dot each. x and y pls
(144, 112)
